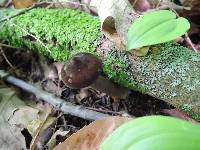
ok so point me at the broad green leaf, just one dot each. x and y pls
(154, 133)
(156, 27)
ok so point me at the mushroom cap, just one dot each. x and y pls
(81, 70)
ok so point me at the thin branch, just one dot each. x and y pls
(6, 4)
(9, 46)
(6, 59)
(158, 4)
(65, 107)
(188, 40)
(22, 11)
(104, 111)
(32, 36)
(134, 3)
(170, 5)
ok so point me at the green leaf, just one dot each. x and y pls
(154, 133)
(156, 27)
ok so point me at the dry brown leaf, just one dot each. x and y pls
(116, 17)
(44, 121)
(17, 115)
(52, 142)
(83, 93)
(30, 117)
(91, 136)
(21, 117)
(52, 87)
(18, 4)
(11, 137)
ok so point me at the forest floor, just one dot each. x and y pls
(28, 67)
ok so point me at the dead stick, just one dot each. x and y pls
(65, 107)
(4, 55)
(22, 11)
(31, 35)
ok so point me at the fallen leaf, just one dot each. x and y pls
(11, 137)
(45, 133)
(43, 122)
(83, 93)
(21, 117)
(52, 142)
(91, 136)
(17, 115)
(51, 87)
(30, 117)
(18, 4)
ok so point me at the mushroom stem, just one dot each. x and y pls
(106, 86)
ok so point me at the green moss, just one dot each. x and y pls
(117, 67)
(64, 32)
(169, 72)
(188, 109)
(194, 115)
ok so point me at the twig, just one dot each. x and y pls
(23, 11)
(65, 107)
(157, 5)
(188, 40)
(134, 3)
(104, 111)
(32, 36)
(6, 4)
(4, 55)
(9, 46)
(186, 35)
(170, 6)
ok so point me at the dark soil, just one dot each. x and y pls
(28, 67)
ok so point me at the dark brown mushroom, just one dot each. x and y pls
(83, 70)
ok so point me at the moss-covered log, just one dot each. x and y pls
(170, 72)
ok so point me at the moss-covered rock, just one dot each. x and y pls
(169, 72)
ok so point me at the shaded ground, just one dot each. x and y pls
(27, 66)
